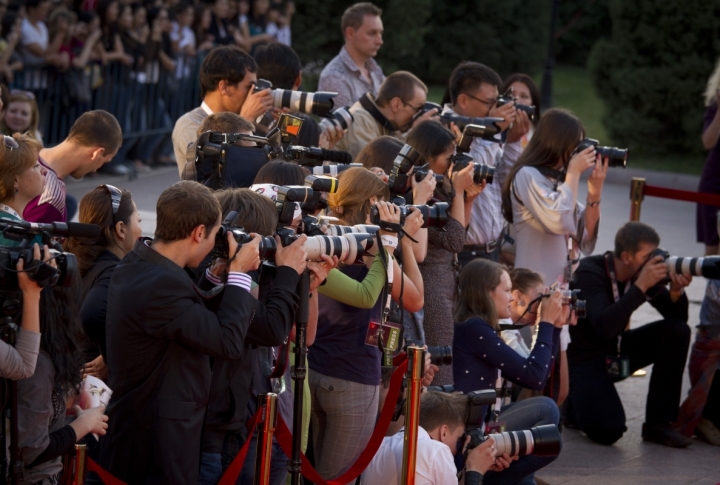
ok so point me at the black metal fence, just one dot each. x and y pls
(146, 103)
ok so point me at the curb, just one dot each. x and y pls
(678, 181)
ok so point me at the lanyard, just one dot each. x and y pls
(610, 267)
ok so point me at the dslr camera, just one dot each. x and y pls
(318, 104)
(570, 297)
(540, 440)
(617, 157)
(461, 159)
(707, 267)
(507, 97)
(433, 215)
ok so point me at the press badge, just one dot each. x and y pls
(391, 332)
(617, 366)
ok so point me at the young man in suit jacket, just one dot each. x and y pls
(161, 338)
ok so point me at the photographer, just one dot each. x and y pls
(603, 351)
(345, 363)
(436, 144)
(473, 91)
(227, 77)
(392, 112)
(160, 338)
(234, 382)
(481, 360)
(115, 212)
(353, 71)
(442, 426)
(378, 156)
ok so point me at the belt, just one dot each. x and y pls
(482, 248)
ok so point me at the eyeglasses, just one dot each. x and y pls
(10, 142)
(115, 196)
(27, 94)
(413, 107)
(489, 103)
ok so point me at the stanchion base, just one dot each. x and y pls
(639, 373)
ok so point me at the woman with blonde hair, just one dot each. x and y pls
(345, 365)
(707, 222)
(21, 115)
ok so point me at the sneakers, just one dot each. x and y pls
(665, 435)
(707, 431)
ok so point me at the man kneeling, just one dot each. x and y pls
(442, 425)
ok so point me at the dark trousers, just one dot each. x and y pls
(464, 257)
(594, 405)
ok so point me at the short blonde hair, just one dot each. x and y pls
(352, 200)
(712, 86)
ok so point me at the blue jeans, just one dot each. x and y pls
(278, 464)
(518, 416)
(211, 468)
(213, 465)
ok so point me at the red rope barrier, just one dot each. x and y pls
(697, 197)
(233, 471)
(102, 473)
(284, 437)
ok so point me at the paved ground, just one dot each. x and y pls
(630, 461)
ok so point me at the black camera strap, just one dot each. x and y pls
(610, 269)
(369, 105)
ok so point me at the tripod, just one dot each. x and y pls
(299, 374)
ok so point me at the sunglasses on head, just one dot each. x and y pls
(115, 196)
(20, 92)
(10, 142)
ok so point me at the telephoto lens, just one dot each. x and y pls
(338, 230)
(318, 104)
(539, 441)
(349, 248)
(480, 173)
(446, 388)
(341, 117)
(707, 267)
(333, 170)
(435, 215)
(440, 354)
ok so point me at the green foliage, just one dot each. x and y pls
(652, 71)
(580, 24)
(430, 37)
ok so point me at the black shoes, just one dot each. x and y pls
(665, 435)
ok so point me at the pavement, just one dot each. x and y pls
(630, 461)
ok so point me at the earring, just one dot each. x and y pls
(16, 191)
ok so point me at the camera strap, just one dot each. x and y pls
(386, 296)
(369, 105)
(610, 268)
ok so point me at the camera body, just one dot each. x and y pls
(488, 125)
(461, 159)
(440, 355)
(422, 172)
(428, 106)
(617, 157)
(507, 97)
(404, 161)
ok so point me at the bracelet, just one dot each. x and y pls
(391, 241)
(473, 478)
(592, 204)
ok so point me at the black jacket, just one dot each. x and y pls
(231, 379)
(597, 334)
(93, 312)
(160, 337)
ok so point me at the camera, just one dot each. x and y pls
(427, 107)
(461, 159)
(338, 230)
(440, 355)
(488, 125)
(404, 161)
(433, 215)
(507, 97)
(341, 117)
(318, 104)
(540, 440)
(570, 297)
(333, 170)
(707, 267)
(617, 157)
(422, 172)
(313, 156)
(222, 248)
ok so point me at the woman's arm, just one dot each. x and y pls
(82, 60)
(408, 280)
(360, 294)
(711, 133)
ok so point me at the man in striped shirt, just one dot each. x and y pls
(94, 139)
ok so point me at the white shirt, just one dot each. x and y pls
(486, 219)
(31, 34)
(435, 465)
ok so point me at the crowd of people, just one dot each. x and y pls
(187, 329)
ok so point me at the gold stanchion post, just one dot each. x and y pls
(637, 194)
(268, 402)
(416, 366)
(74, 466)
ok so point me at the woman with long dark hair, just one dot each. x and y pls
(481, 360)
(43, 436)
(115, 212)
(539, 198)
(525, 92)
(436, 145)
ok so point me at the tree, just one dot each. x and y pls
(652, 71)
